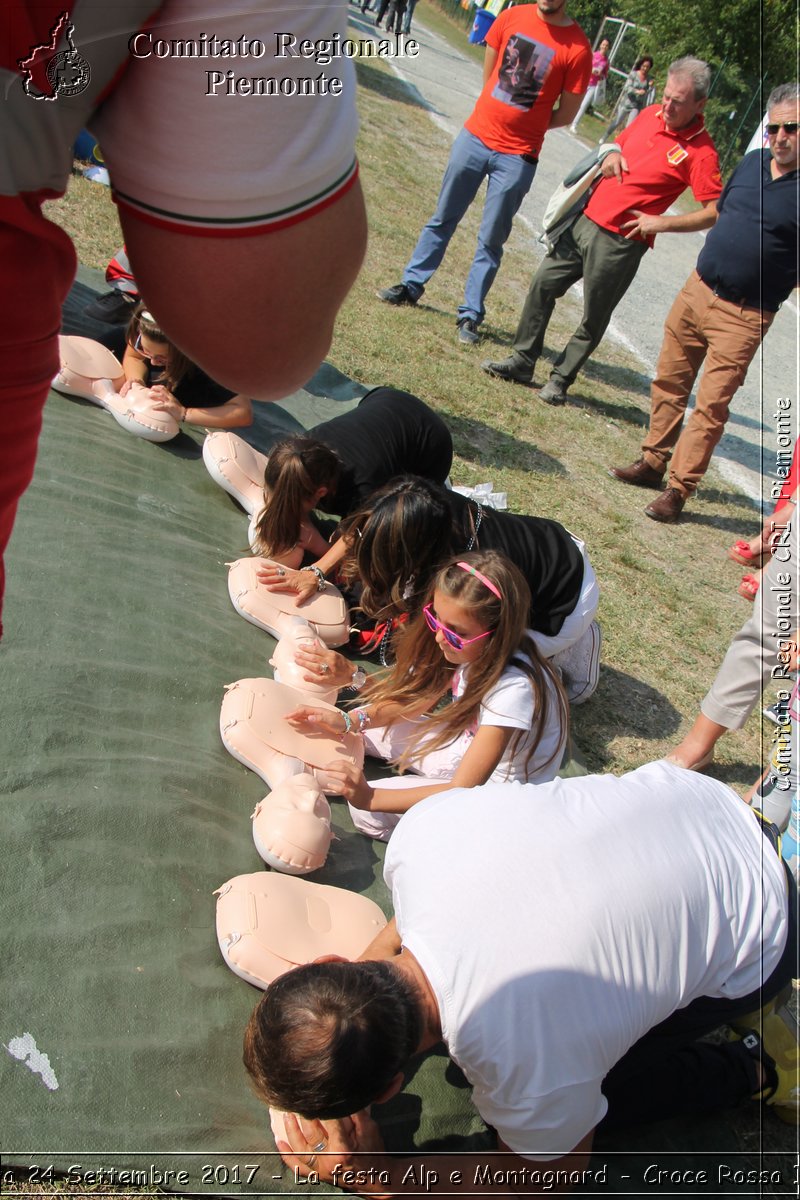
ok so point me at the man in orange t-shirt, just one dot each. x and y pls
(664, 151)
(535, 73)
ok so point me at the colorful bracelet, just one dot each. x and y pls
(362, 716)
(348, 724)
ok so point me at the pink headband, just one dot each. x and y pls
(479, 575)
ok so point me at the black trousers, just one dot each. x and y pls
(396, 10)
(669, 1073)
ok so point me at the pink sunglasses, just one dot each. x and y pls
(453, 639)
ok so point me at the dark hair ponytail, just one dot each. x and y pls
(296, 469)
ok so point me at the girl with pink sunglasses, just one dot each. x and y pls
(469, 698)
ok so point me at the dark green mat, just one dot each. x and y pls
(122, 812)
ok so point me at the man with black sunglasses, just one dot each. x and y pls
(746, 269)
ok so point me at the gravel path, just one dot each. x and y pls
(448, 82)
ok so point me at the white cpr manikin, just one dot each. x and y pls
(285, 670)
(92, 372)
(325, 611)
(237, 468)
(292, 826)
(269, 923)
(254, 729)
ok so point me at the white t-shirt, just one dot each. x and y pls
(510, 705)
(568, 919)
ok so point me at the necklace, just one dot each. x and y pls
(384, 643)
(476, 527)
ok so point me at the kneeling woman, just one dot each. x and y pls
(177, 385)
(393, 547)
(337, 465)
(508, 719)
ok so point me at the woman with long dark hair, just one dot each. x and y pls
(392, 547)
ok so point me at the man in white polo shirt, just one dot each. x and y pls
(570, 946)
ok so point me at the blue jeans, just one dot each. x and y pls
(410, 6)
(509, 180)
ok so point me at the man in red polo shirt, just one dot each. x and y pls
(665, 150)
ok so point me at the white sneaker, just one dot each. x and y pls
(580, 665)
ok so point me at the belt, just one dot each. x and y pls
(770, 831)
(726, 293)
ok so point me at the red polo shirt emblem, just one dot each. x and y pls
(676, 154)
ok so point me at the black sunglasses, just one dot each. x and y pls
(787, 126)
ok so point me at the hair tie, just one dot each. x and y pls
(479, 575)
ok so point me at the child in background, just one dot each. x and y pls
(177, 385)
(300, 472)
(469, 698)
(336, 467)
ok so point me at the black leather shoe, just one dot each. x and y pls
(512, 369)
(667, 507)
(553, 392)
(399, 294)
(640, 473)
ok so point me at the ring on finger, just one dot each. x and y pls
(324, 671)
(320, 1146)
(312, 1158)
(281, 572)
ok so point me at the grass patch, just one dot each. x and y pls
(669, 605)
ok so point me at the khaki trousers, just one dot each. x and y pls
(700, 326)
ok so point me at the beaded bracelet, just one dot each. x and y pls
(348, 724)
(320, 577)
(362, 716)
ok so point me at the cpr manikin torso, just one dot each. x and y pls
(255, 731)
(92, 372)
(237, 468)
(268, 923)
(325, 610)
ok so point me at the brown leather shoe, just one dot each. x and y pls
(667, 507)
(639, 473)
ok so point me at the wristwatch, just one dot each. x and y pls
(358, 679)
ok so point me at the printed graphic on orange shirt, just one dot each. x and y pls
(676, 154)
(55, 68)
(522, 72)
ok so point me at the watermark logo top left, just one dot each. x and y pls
(55, 68)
